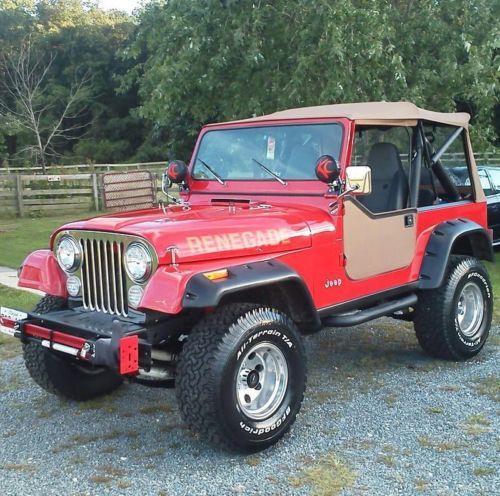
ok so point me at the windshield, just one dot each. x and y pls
(287, 152)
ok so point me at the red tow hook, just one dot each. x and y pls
(129, 355)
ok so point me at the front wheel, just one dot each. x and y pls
(241, 376)
(60, 375)
(453, 321)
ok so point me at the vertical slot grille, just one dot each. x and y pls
(104, 286)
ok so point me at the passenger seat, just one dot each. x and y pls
(389, 180)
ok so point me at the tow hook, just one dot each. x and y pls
(120, 352)
(87, 351)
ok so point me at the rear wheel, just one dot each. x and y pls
(61, 376)
(241, 376)
(453, 321)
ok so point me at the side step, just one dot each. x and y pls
(361, 316)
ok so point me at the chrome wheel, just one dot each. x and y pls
(470, 309)
(262, 381)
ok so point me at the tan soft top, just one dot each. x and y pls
(390, 113)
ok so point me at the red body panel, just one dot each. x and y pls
(41, 271)
(211, 232)
(427, 220)
(290, 223)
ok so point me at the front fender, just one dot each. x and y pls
(203, 293)
(41, 271)
(164, 291)
(171, 290)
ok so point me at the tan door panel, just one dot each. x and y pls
(376, 243)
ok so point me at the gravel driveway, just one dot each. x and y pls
(380, 418)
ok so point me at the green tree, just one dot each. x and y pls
(202, 61)
(48, 114)
(158, 77)
(83, 40)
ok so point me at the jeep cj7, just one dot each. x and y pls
(287, 223)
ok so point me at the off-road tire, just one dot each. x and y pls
(208, 369)
(61, 376)
(436, 315)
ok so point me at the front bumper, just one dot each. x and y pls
(97, 339)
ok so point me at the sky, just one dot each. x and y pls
(126, 5)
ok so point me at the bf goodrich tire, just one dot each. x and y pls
(62, 376)
(453, 321)
(241, 377)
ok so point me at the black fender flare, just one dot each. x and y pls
(459, 236)
(203, 293)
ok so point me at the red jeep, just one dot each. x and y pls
(286, 223)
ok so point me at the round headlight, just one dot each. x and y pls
(138, 262)
(73, 285)
(68, 254)
(135, 294)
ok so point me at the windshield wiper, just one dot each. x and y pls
(219, 179)
(269, 171)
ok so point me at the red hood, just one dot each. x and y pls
(210, 232)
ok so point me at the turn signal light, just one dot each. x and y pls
(216, 274)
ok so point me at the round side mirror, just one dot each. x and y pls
(327, 169)
(177, 171)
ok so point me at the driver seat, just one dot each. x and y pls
(389, 182)
(301, 162)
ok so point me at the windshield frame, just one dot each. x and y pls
(341, 122)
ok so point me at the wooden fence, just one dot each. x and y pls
(64, 188)
(44, 195)
(41, 195)
(8, 195)
(490, 158)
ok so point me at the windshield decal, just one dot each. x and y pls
(271, 146)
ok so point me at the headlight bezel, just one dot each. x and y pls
(78, 256)
(149, 262)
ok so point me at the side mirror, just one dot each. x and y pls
(166, 183)
(359, 179)
(327, 169)
(177, 171)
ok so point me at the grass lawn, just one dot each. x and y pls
(494, 272)
(22, 300)
(19, 237)
(15, 298)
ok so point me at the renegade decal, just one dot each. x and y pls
(237, 240)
